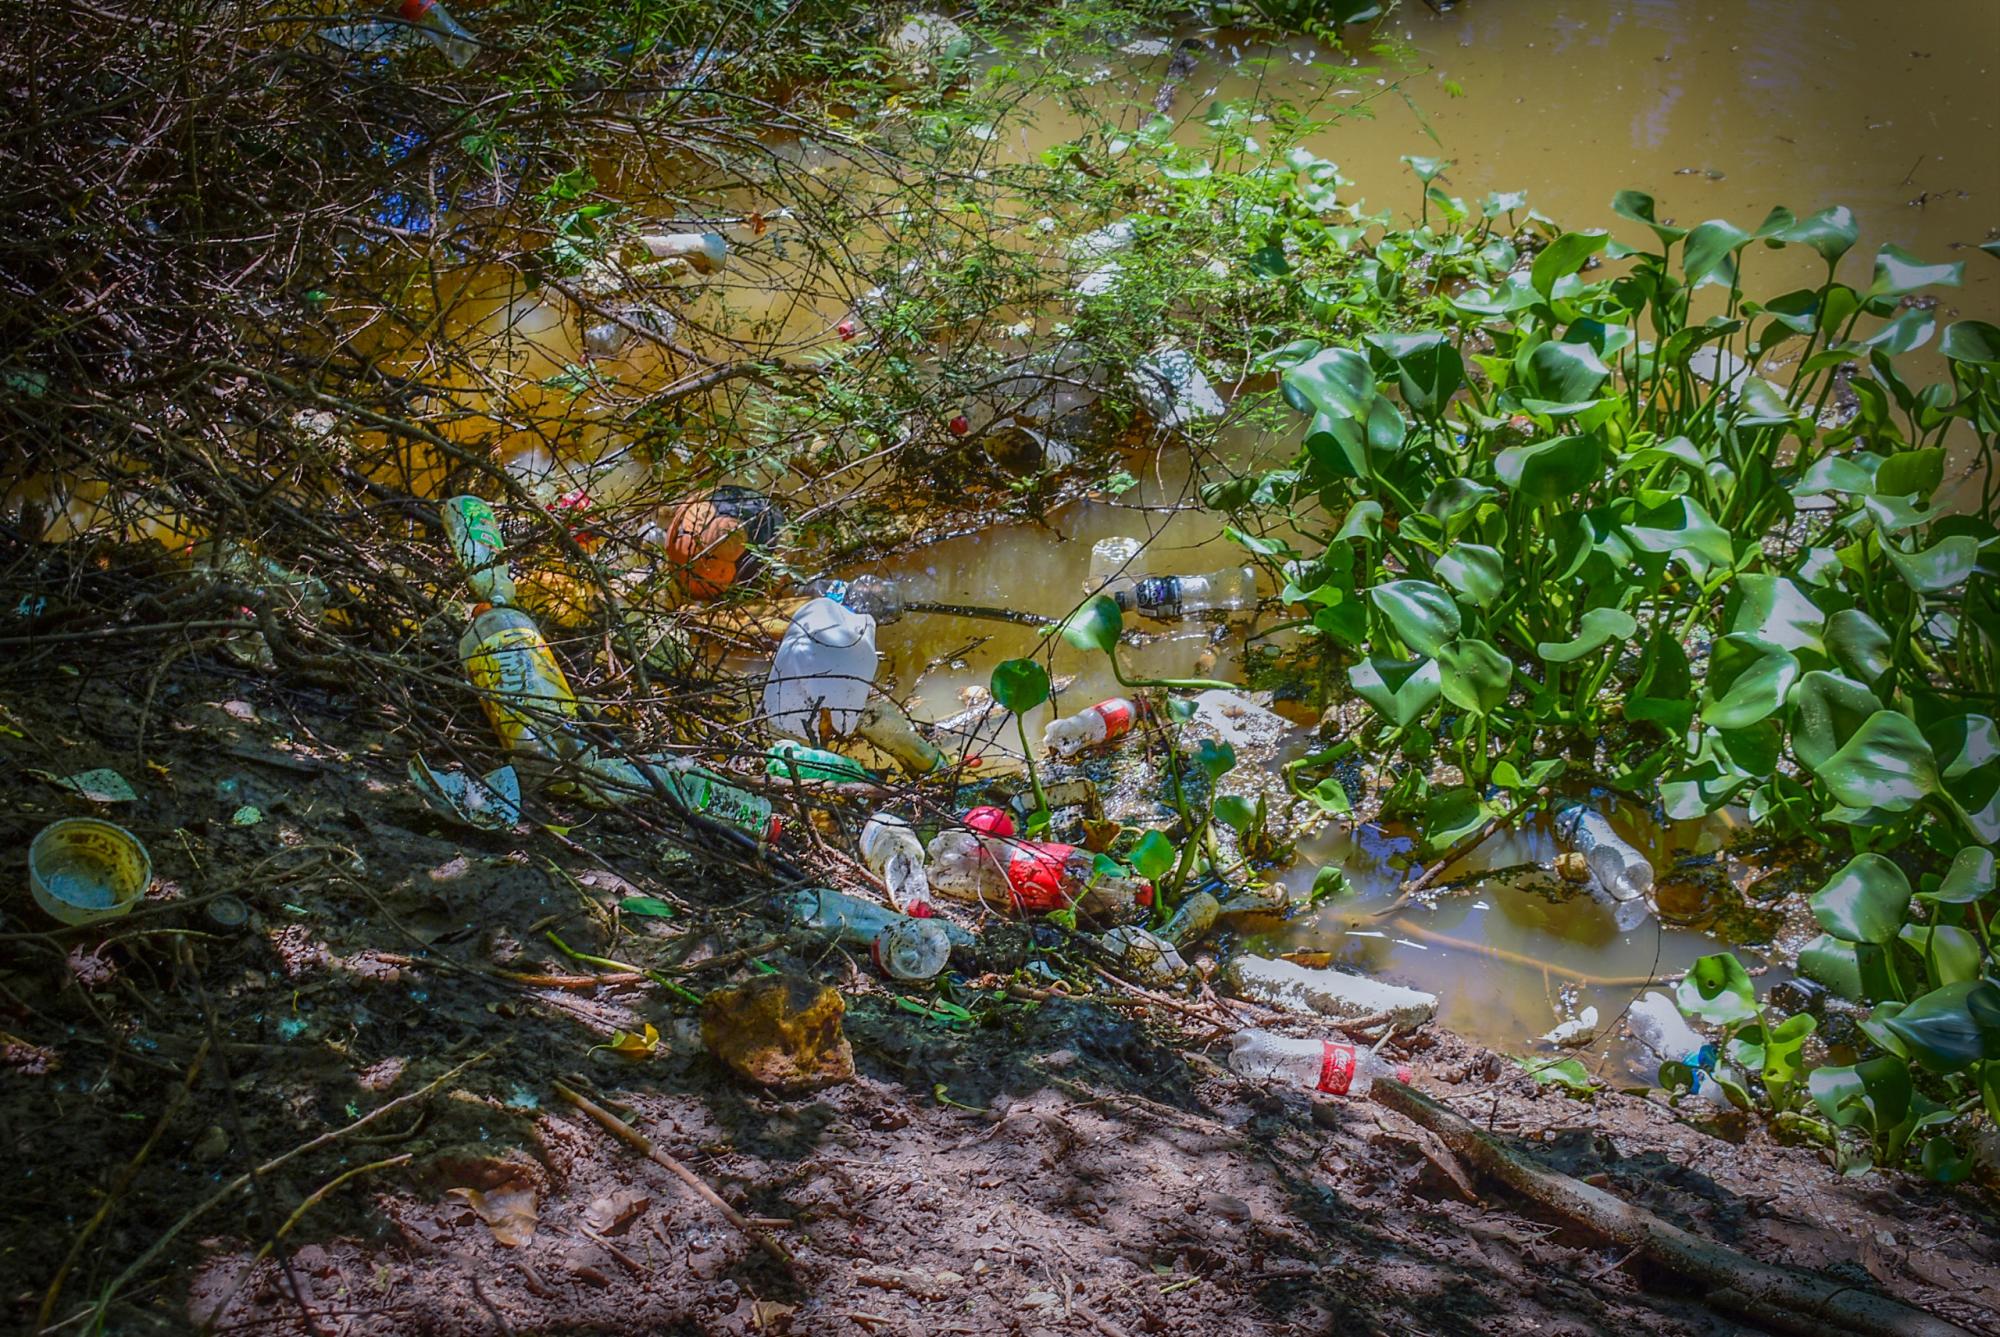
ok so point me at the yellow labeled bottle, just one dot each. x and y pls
(527, 698)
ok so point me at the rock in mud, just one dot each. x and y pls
(781, 1032)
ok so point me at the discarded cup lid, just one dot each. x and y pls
(227, 912)
(81, 869)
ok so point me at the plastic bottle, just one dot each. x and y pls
(1087, 728)
(473, 532)
(902, 947)
(1034, 876)
(893, 853)
(1664, 1034)
(527, 699)
(825, 666)
(1153, 959)
(1191, 922)
(1112, 558)
(705, 252)
(790, 761)
(878, 596)
(700, 791)
(885, 725)
(1619, 867)
(1316, 1065)
(1164, 598)
(443, 31)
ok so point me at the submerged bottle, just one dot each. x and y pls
(704, 252)
(902, 947)
(890, 848)
(885, 725)
(1164, 598)
(527, 699)
(1101, 723)
(711, 542)
(1315, 1065)
(443, 31)
(473, 532)
(1619, 867)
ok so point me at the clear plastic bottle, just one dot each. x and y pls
(473, 532)
(527, 699)
(1619, 867)
(1661, 1030)
(1100, 723)
(1314, 1065)
(616, 780)
(705, 252)
(885, 725)
(877, 596)
(960, 864)
(1153, 959)
(893, 853)
(1165, 598)
(1191, 922)
(1033, 876)
(443, 31)
(902, 947)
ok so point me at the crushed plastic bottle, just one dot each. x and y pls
(1146, 955)
(1315, 1065)
(473, 531)
(902, 947)
(890, 848)
(527, 699)
(1663, 1033)
(885, 725)
(1619, 867)
(440, 29)
(1032, 876)
(825, 665)
(1101, 723)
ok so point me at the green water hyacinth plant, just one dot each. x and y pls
(1612, 508)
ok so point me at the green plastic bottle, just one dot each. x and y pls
(789, 760)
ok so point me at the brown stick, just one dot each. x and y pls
(642, 1144)
(1798, 1302)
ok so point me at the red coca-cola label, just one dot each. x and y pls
(412, 10)
(990, 821)
(1117, 716)
(1035, 876)
(1336, 1067)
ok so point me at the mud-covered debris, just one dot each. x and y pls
(1331, 993)
(491, 802)
(781, 1031)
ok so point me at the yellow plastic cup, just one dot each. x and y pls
(82, 870)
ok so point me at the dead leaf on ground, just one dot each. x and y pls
(240, 710)
(771, 1316)
(451, 869)
(509, 1211)
(611, 1213)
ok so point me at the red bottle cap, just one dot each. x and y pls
(990, 822)
(774, 830)
(1144, 896)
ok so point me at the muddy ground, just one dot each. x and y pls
(1059, 1165)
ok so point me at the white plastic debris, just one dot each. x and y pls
(1575, 1033)
(1173, 389)
(1330, 993)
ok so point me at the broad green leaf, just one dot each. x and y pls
(1908, 331)
(1952, 953)
(1565, 373)
(1214, 759)
(1886, 764)
(1718, 989)
(1942, 566)
(1422, 614)
(1600, 627)
(1428, 367)
(1682, 530)
(1747, 682)
(1401, 690)
(1774, 611)
(646, 907)
(1563, 257)
(1709, 253)
(1664, 693)
(1858, 644)
(1831, 709)
(1095, 626)
(1831, 232)
(1427, 169)
(1866, 901)
(1153, 856)
(1945, 1029)
(1638, 206)
(1911, 473)
(1897, 274)
(1873, 1095)
(1972, 341)
(1020, 684)
(1854, 971)
(1550, 470)
(1568, 1073)
(1455, 497)
(1970, 878)
(1773, 1051)
(1337, 387)
(1475, 571)
(1237, 813)
(1966, 743)
(1474, 675)
(1363, 521)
